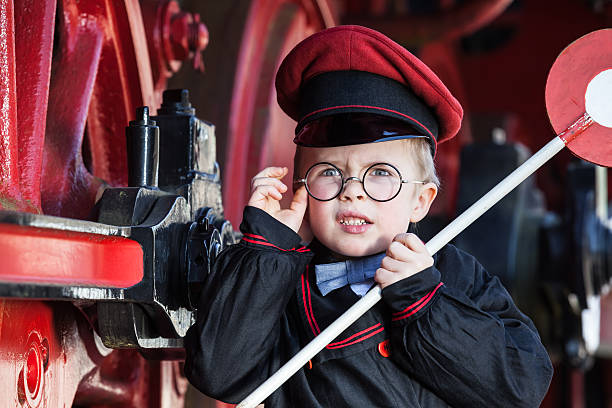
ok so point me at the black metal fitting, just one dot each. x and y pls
(180, 227)
(188, 163)
(142, 137)
(202, 244)
(176, 101)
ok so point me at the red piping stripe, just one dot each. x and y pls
(426, 300)
(370, 107)
(359, 340)
(310, 302)
(301, 249)
(315, 327)
(255, 236)
(354, 335)
(266, 244)
(415, 303)
(306, 309)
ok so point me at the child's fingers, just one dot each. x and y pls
(398, 251)
(263, 181)
(263, 192)
(411, 252)
(391, 264)
(412, 242)
(275, 172)
(384, 277)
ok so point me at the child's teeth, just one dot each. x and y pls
(353, 221)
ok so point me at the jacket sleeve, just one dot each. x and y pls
(235, 340)
(456, 330)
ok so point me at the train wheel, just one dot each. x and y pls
(72, 74)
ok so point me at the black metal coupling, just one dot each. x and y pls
(176, 101)
(142, 137)
(204, 240)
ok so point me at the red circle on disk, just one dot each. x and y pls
(566, 86)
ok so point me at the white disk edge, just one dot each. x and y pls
(598, 98)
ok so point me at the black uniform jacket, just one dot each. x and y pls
(447, 336)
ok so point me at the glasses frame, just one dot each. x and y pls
(345, 180)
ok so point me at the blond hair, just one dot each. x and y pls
(420, 151)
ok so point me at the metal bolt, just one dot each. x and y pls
(188, 35)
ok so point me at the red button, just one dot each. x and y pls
(383, 348)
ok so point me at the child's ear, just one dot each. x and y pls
(425, 198)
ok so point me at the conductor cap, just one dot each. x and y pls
(354, 69)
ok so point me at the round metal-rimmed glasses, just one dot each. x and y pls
(381, 181)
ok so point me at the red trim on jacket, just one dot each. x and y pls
(264, 241)
(339, 344)
(306, 308)
(310, 302)
(416, 306)
(315, 327)
(332, 347)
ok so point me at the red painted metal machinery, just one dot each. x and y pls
(73, 74)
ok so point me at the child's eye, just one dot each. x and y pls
(330, 172)
(380, 172)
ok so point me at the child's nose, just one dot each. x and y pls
(353, 190)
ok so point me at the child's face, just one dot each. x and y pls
(338, 223)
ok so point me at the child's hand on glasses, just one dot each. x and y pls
(406, 256)
(266, 192)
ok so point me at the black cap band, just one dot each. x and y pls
(358, 91)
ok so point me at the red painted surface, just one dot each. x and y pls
(98, 72)
(606, 322)
(565, 89)
(456, 19)
(67, 187)
(122, 83)
(34, 25)
(50, 358)
(124, 379)
(10, 194)
(101, 72)
(47, 256)
(34, 360)
(104, 43)
(172, 37)
(259, 133)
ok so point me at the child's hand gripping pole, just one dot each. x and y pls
(602, 115)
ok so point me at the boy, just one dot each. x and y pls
(446, 334)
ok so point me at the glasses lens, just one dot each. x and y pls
(324, 181)
(382, 182)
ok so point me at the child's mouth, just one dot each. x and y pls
(353, 221)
